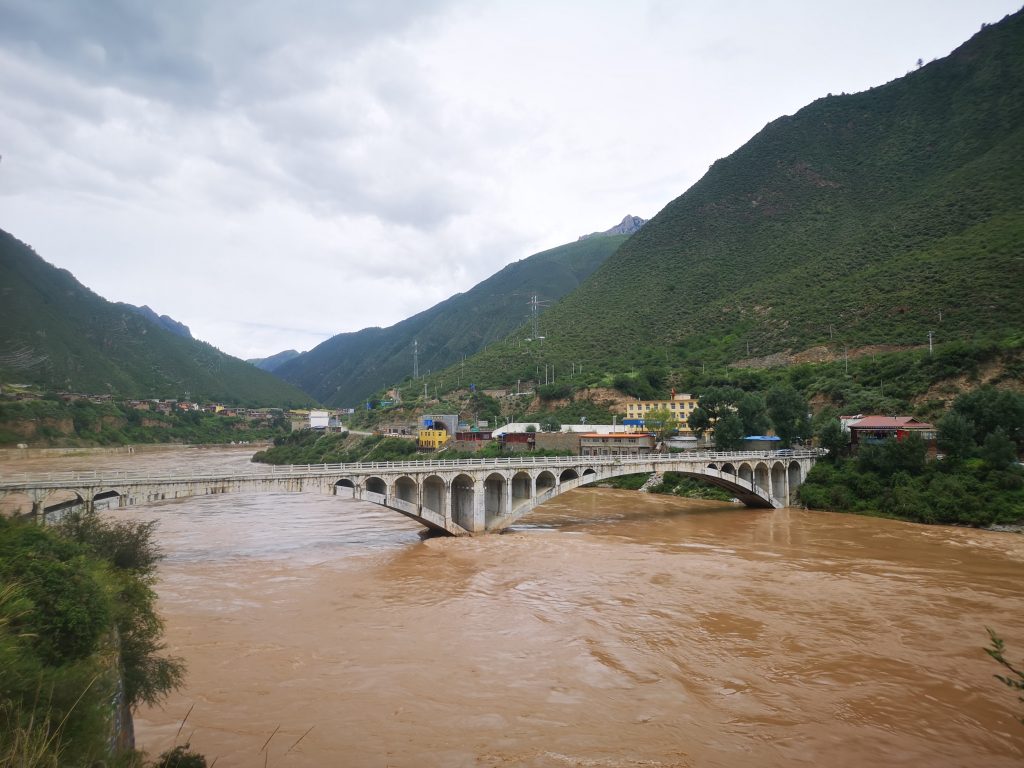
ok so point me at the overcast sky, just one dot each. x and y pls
(271, 174)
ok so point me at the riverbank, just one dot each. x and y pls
(13, 454)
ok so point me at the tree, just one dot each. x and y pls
(699, 421)
(662, 422)
(728, 433)
(990, 409)
(956, 436)
(998, 450)
(750, 408)
(832, 438)
(788, 411)
(714, 403)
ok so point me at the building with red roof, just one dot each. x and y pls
(875, 429)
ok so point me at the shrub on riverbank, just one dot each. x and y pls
(894, 480)
(84, 423)
(80, 640)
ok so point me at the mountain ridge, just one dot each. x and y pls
(349, 367)
(60, 335)
(869, 218)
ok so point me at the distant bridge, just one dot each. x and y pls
(458, 497)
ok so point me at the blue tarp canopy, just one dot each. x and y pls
(770, 438)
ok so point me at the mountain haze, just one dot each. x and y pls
(349, 367)
(59, 335)
(863, 219)
(273, 362)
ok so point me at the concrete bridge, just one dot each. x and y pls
(460, 497)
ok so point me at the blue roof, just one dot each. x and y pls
(772, 438)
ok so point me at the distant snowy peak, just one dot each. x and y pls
(627, 226)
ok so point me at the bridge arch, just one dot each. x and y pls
(728, 469)
(463, 498)
(435, 492)
(495, 502)
(762, 478)
(522, 489)
(567, 475)
(405, 489)
(589, 476)
(779, 483)
(795, 477)
(746, 474)
(374, 484)
(347, 485)
(546, 482)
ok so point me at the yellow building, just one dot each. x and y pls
(680, 406)
(432, 438)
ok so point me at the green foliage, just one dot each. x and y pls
(678, 484)
(854, 222)
(998, 451)
(84, 422)
(956, 436)
(989, 409)
(1014, 679)
(181, 756)
(729, 433)
(832, 438)
(892, 479)
(662, 422)
(627, 482)
(77, 613)
(787, 409)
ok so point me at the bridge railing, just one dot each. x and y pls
(297, 471)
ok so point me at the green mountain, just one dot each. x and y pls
(59, 335)
(273, 362)
(349, 367)
(865, 219)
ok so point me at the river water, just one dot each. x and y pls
(611, 628)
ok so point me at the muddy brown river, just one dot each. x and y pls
(609, 628)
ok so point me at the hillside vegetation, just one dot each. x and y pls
(865, 219)
(349, 367)
(59, 335)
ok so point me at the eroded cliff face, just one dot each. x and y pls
(31, 428)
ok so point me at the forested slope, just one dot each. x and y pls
(59, 335)
(864, 219)
(350, 366)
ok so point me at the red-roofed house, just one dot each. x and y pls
(875, 429)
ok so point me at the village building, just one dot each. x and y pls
(679, 405)
(616, 444)
(876, 429)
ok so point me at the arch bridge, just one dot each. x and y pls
(459, 497)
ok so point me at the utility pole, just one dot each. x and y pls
(830, 330)
(415, 359)
(535, 304)
(846, 360)
(930, 334)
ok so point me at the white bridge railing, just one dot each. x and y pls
(282, 472)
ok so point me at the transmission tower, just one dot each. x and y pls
(535, 304)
